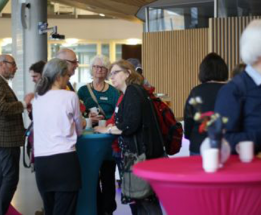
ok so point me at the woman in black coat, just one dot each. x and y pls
(213, 73)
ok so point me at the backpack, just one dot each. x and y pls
(171, 130)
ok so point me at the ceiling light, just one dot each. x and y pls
(101, 14)
(133, 41)
(72, 41)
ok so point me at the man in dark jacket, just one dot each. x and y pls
(240, 99)
(11, 132)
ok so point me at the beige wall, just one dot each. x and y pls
(87, 29)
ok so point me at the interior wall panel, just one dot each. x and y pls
(225, 36)
(171, 62)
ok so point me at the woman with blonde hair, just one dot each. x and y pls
(135, 125)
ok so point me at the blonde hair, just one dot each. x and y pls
(134, 77)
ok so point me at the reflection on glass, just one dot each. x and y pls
(180, 17)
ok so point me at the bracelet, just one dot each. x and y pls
(109, 130)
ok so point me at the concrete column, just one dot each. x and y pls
(35, 44)
(28, 45)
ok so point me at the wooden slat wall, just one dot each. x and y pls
(171, 62)
(224, 36)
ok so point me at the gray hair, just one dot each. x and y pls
(52, 69)
(105, 62)
(250, 42)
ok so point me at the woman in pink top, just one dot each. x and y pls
(57, 123)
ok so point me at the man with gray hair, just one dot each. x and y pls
(70, 57)
(11, 132)
(240, 99)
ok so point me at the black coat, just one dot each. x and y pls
(135, 118)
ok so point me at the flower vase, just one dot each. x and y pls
(215, 133)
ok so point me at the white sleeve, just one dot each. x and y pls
(77, 116)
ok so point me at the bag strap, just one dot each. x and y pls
(136, 144)
(27, 133)
(95, 99)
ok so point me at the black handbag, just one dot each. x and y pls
(132, 186)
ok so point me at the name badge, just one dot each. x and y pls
(116, 109)
(103, 98)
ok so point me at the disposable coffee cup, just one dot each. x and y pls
(102, 123)
(94, 110)
(88, 123)
(245, 150)
(210, 158)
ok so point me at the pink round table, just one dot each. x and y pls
(184, 188)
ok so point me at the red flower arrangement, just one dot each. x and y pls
(211, 122)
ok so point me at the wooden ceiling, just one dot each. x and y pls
(125, 9)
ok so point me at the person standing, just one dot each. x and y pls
(135, 125)
(70, 57)
(240, 99)
(213, 74)
(36, 70)
(57, 123)
(11, 132)
(103, 96)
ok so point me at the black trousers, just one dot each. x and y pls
(9, 176)
(57, 203)
(106, 202)
(58, 180)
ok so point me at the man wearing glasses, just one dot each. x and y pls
(11, 132)
(70, 57)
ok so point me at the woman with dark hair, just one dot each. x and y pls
(213, 73)
(134, 121)
(57, 123)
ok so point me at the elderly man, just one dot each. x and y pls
(36, 70)
(240, 99)
(11, 132)
(69, 56)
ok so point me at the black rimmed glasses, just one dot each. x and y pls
(113, 73)
(96, 67)
(12, 63)
(73, 61)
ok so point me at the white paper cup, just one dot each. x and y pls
(210, 158)
(102, 123)
(94, 110)
(245, 149)
(88, 123)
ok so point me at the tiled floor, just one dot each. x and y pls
(27, 199)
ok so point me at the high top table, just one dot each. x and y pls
(92, 149)
(184, 188)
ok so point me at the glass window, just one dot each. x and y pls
(105, 50)
(84, 53)
(180, 17)
(7, 49)
(118, 52)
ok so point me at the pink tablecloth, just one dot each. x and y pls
(184, 188)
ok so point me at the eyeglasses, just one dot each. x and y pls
(96, 67)
(113, 73)
(12, 63)
(73, 61)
